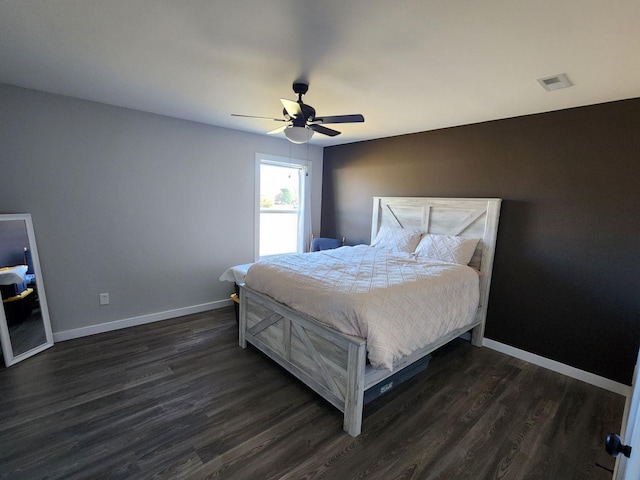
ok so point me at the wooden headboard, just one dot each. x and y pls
(465, 217)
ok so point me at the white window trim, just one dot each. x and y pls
(305, 231)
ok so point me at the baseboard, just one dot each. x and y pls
(141, 320)
(558, 367)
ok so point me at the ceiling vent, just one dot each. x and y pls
(555, 82)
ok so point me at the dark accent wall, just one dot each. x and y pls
(566, 281)
(13, 239)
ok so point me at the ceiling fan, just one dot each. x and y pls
(302, 118)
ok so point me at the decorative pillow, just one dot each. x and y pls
(447, 248)
(397, 239)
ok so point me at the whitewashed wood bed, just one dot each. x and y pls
(334, 364)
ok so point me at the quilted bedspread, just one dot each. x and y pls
(396, 302)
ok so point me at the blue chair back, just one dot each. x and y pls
(320, 243)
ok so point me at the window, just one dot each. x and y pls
(282, 191)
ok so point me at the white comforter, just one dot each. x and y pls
(397, 303)
(11, 275)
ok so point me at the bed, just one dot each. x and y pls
(17, 296)
(334, 363)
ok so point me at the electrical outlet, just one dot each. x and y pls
(104, 299)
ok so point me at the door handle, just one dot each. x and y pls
(613, 445)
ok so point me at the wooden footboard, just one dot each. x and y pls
(329, 362)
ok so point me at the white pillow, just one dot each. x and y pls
(447, 248)
(397, 239)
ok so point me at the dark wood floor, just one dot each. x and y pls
(180, 399)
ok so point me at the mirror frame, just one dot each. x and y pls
(5, 339)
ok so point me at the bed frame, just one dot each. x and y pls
(334, 364)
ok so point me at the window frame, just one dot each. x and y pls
(304, 230)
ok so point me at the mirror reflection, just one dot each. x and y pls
(19, 288)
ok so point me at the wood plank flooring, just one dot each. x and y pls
(179, 399)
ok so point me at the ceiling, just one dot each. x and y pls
(407, 66)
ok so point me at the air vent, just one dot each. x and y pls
(555, 82)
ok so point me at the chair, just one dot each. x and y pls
(322, 243)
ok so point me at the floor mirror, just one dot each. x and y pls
(25, 328)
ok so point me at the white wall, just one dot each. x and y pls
(149, 208)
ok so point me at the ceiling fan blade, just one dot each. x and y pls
(254, 116)
(278, 130)
(340, 119)
(292, 108)
(323, 130)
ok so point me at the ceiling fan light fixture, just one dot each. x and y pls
(298, 134)
(304, 122)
